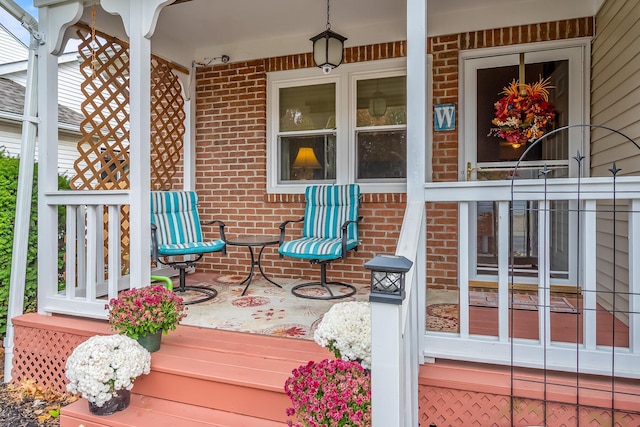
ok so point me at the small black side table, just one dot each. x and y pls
(254, 241)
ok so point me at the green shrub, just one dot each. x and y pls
(8, 194)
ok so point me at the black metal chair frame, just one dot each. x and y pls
(184, 264)
(323, 267)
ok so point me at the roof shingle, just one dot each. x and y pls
(12, 101)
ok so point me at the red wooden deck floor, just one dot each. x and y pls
(565, 327)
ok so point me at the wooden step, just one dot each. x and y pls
(148, 411)
(207, 377)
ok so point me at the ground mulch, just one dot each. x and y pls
(29, 405)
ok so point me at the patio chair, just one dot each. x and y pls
(177, 239)
(329, 231)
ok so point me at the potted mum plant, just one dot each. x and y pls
(103, 369)
(330, 393)
(145, 313)
(346, 331)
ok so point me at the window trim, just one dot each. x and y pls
(345, 78)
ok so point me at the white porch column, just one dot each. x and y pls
(416, 103)
(25, 185)
(139, 18)
(389, 408)
(189, 134)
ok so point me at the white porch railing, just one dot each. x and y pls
(396, 330)
(89, 283)
(585, 357)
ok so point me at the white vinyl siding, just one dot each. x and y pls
(615, 103)
(67, 147)
(13, 50)
(69, 80)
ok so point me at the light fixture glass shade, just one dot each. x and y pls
(377, 104)
(306, 159)
(387, 278)
(328, 48)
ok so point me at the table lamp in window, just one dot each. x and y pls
(305, 163)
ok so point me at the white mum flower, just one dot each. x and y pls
(102, 365)
(346, 329)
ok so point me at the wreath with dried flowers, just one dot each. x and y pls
(524, 112)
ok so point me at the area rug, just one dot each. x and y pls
(443, 317)
(520, 301)
(264, 309)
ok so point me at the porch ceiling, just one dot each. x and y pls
(248, 29)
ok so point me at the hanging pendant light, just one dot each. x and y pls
(377, 102)
(328, 48)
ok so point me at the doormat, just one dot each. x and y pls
(520, 301)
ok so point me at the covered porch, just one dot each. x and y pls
(229, 154)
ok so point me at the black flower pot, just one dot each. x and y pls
(119, 402)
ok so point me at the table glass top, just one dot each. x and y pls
(253, 240)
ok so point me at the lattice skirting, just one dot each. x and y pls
(42, 345)
(441, 407)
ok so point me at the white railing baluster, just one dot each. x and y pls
(92, 250)
(100, 270)
(544, 271)
(589, 285)
(71, 253)
(463, 263)
(114, 250)
(503, 271)
(634, 277)
(81, 247)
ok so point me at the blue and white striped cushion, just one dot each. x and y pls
(191, 248)
(178, 224)
(316, 248)
(328, 207)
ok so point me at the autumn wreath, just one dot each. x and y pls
(524, 112)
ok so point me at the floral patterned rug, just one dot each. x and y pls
(443, 317)
(264, 309)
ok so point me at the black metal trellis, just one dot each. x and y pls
(616, 214)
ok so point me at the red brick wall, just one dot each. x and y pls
(231, 156)
(231, 170)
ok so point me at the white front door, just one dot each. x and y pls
(484, 157)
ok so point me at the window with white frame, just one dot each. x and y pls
(348, 126)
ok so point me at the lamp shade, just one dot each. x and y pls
(328, 50)
(306, 159)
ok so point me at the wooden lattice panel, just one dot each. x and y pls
(103, 161)
(41, 355)
(167, 126)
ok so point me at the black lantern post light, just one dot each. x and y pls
(387, 278)
(328, 48)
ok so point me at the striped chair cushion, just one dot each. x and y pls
(328, 207)
(178, 224)
(316, 248)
